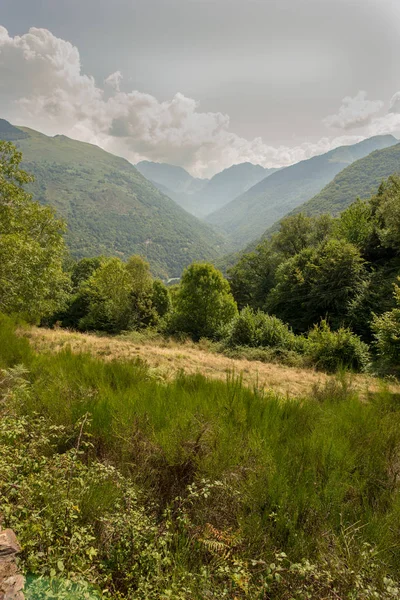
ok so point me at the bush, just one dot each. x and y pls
(332, 350)
(386, 329)
(259, 330)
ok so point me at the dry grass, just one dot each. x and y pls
(167, 358)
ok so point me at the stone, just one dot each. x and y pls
(11, 581)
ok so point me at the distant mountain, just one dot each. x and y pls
(247, 217)
(110, 208)
(359, 180)
(202, 196)
(229, 184)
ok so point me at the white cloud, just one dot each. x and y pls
(42, 86)
(354, 112)
(114, 80)
(394, 106)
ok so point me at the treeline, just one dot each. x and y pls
(322, 291)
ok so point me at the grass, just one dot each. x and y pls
(166, 358)
(235, 475)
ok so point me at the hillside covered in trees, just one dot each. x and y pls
(359, 180)
(109, 207)
(247, 217)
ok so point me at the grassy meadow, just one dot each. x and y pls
(121, 484)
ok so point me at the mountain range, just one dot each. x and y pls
(110, 208)
(201, 197)
(113, 209)
(247, 217)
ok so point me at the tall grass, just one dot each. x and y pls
(296, 472)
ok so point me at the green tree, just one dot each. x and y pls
(253, 277)
(32, 250)
(386, 328)
(298, 232)
(317, 283)
(204, 304)
(117, 296)
(161, 298)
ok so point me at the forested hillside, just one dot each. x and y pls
(110, 208)
(248, 216)
(359, 180)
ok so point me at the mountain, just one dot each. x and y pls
(359, 180)
(202, 196)
(229, 184)
(247, 217)
(110, 208)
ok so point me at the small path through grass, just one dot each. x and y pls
(166, 359)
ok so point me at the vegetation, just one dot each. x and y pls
(358, 180)
(125, 485)
(340, 270)
(247, 217)
(109, 207)
(120, 486)
(203, 305)
(31, 245)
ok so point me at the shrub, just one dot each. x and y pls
(386, 330)
(259, 330)
(332, 350)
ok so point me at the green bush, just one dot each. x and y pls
(258, 329)
(333, 350)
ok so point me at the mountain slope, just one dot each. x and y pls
(248, 216)
(202, 196)
(110, 208)
(229, 184)
(359, 180)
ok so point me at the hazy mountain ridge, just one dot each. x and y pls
(247, 217)
(203, 196)
(110, 208)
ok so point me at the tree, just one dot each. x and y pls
(253, 277)
(386, 328)
(203, 303)
(317, 283)
(118, 296)
(32, 250)
(300, 231)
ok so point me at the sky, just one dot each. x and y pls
(203, 84)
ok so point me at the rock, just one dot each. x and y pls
(11, 581)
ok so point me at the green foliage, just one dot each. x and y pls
(118, 484)
(317, 282)
(110, 208)
(258, 329)
(161, 298)
(31, 245)
(203, 304)
(118, 296)
(334, 350)
(355, 224)
(386, 330)
(253, 277)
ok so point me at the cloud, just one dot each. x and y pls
(114, 80)
(354, 112)
(42, 86)
(394, 106)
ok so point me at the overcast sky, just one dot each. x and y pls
(203, 83)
